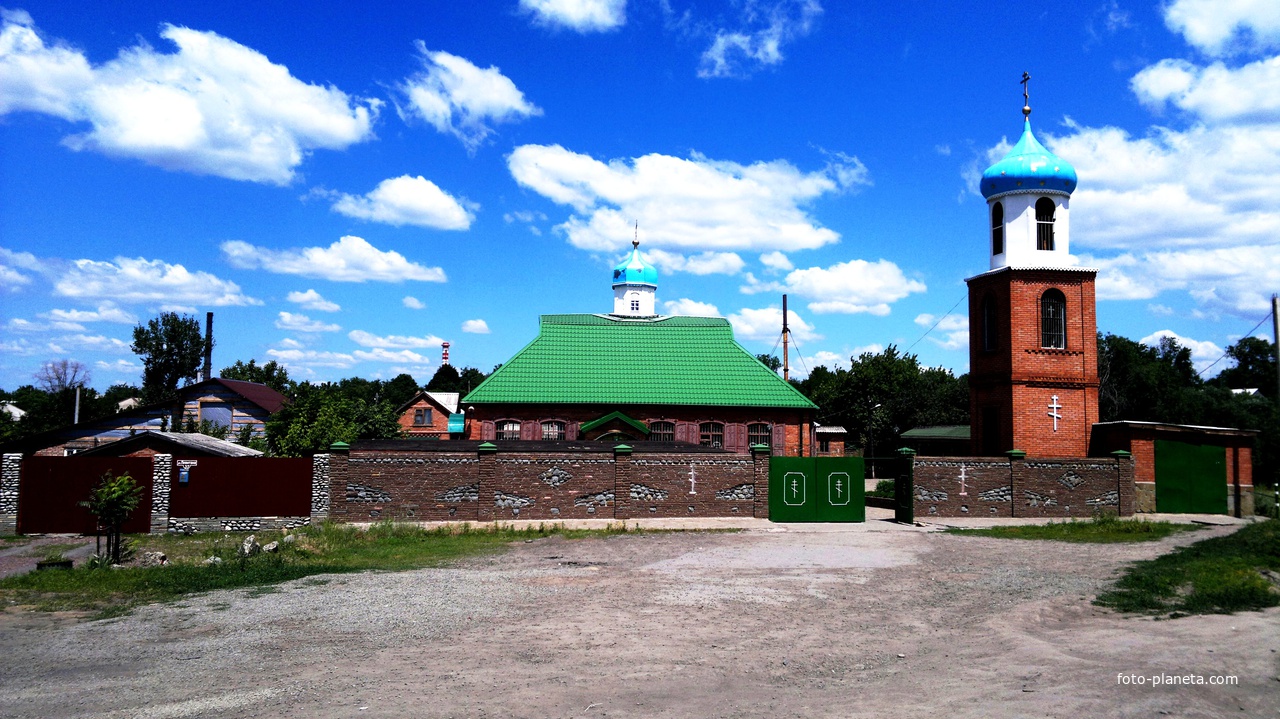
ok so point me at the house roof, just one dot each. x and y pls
(601, 421)
(448, 401)
(259, 394)
(942, 431)
(605, 359)
(176, 442)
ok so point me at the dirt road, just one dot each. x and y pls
(863, 620)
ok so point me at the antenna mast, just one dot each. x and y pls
(786, 337)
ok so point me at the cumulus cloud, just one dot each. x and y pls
(137, 280)
(776, 261)
(368, 339)
(412, 303)
(350, 259)
(293, 357)
(1215, 93)
(1203, 354)
(11, 264)
(1223, 27)
(213, 107)
(704, 263)
(952, 330)
(120, 366)
(92, 343)
(765, 27)
(848, 287)
(766, 324)
(695, 204)
(476, 327)
(461, 99)
(302, 323)
(579, 15)
(311, 300)
(106, 312)
(690, 308)
(408, 200)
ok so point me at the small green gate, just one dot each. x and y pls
(1190, 478)
(816, 489)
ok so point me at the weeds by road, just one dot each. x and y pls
(1101, 529)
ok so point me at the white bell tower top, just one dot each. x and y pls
(635, 286)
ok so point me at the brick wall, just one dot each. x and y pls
(437, 428)
(1020, 487)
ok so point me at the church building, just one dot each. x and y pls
(635, 376)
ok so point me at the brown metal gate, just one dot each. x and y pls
(51, 489)
(240, 487)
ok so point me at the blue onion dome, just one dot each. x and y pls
(634, 270)
(1029, 168)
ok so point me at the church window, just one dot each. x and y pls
(508, 429)
(635, 305)
(711, 434)
(989, 338)
(997, 229)
(1044, 223)
(553, 430)
(1053, 320)
(662, 431)
(421, 417)
(759, 433)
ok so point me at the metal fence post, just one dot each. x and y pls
(904, 489)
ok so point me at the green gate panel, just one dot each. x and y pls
(816, 489)
(1190, 478)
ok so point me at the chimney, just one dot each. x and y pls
(208, 346)
(444, 356)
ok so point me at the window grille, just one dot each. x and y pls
(1044, 223)
(509, 429)
(711, 434)
(1053, 320)
(662, 431)
(553, 430)
(759, 433)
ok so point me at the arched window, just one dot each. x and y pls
(997, 229)
(662, 431)
(1044, 223)
(508, 429)
(989, 337)
(553, 430)
(1053, 320)
(759, 433)
(711, 434)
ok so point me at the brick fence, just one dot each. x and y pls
(1015, 486)
(411, 480)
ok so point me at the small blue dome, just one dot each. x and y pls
(1029, 168)
(635, 271)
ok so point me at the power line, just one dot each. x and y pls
(1265, 317)
(940, 319)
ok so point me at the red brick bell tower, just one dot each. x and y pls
(1033, 363)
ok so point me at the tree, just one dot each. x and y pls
(1255, 367)
(399, 390)
(57, 375)
(171, 349)
(770, 361)
(445, 379)
(271, 374)
(321, 414)
(112, 501)
(1144, 383)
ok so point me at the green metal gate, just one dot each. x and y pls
(1190, 478)
(816, 489)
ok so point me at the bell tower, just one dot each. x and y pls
(1033, 365)
(635, 286)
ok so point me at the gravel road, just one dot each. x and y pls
(793, 621)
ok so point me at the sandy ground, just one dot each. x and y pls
(775, 621)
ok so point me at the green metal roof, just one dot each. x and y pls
(634, 424)
(602, 359)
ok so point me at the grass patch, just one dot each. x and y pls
(1215, 576)
(322, 549)
(1102, 529)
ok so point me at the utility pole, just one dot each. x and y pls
(786, 337)
(1275, 328)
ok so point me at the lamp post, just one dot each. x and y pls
(871, 438)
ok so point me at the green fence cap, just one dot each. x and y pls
(339, 447)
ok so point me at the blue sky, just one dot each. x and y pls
(345, 188)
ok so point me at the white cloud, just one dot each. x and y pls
(106, 312)
(1162, 310)
(579, 15)
(765, 27)
(1215, 93)
(380, 354)
(776, 261)
(1221, 27)
(214, 107)
(407, 200)
(696, 204)
(10, 264)
(311, 300)
(350, 259)
(290, 344)
(301, 323)
(690, 308)
(848, 287)
(368, 339)
(461, 99)
(766, 324)
(412, 303)
(830, 360)
(96, 343)
(524, 216)
(476, 327)
(705, 263)
(137, 280)
(1203, 354)
(954, 330)
(310, 358)
(118, 366)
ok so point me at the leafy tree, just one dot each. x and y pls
(112, 501)
(1144, 383)
(445, 379)
(271, 374)
(469, 379)
(770, 361)
(171, 349)
(57, 375)
(321, 414)
(1255, 367)
(399, 390)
